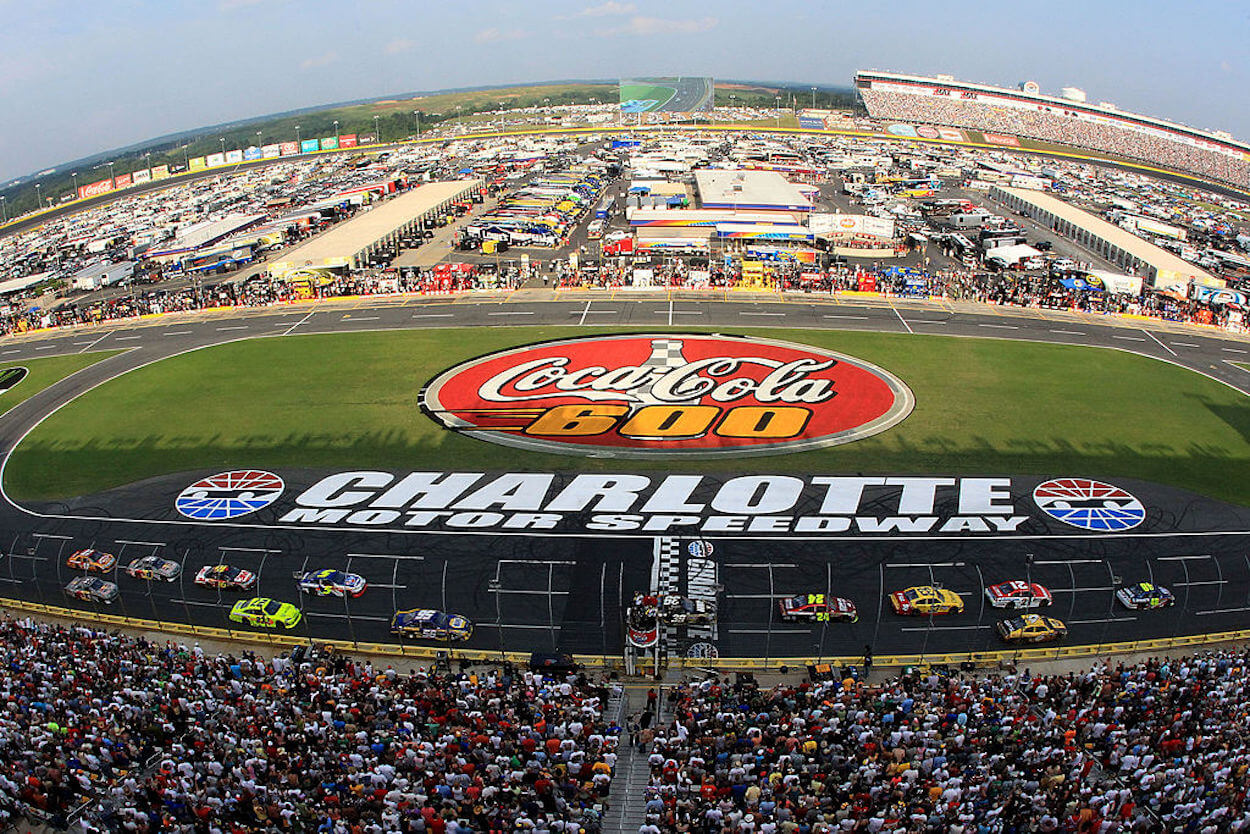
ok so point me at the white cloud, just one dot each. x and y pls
(399, 45)
(606, 9)
(649, 26)
(495, 35)
(318, 61)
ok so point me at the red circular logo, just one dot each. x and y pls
(659, 395)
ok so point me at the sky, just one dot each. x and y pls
(78, 78)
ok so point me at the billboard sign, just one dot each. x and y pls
(142, 175)
(329, 143)
(665, 395)
(347, 140)
(851, 225)
(160, 172)
(95, 189)
(667, 95)
(289, 148)
(215, 159)
(197, 163)
(123, 181)
(251, 153)
(901, 130)
(309, 146)
(271, 151)
(1001, 139)
(366, 139)
(234, 157)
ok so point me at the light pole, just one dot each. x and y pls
(813, 98)
(777, 109)
(112, 176)
(458, 122)
(222, 140)
(298, 148)
(259, 138)
(148, 158)
(336, 133)
(416, 114)
(74, 174)
(38, 197)
(377, 134)
(186, 160)
(4, 207)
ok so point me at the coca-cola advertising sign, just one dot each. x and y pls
(663, 395)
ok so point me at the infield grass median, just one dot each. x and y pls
(349, 401)
(44, 373)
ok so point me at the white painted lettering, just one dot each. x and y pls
(844, 494)
(509, 492)
(918, 495)
(332, 490)
(673, 494)
(758, 494)
(427, 490)
(615, 493)
(895, 523)
(980, 496)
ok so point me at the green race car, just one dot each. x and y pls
(266, 612)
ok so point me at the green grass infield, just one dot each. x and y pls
(349, 401)
(43, 373)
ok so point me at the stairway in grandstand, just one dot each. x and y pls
(629, 782)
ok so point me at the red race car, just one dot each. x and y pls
(1018, 594)
(225, 577)
(817, 608)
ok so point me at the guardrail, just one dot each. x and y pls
(401, 650)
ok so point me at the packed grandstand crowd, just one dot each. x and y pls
(1155, 746)
(129, 734)
(1002, 288)
(1051, 127)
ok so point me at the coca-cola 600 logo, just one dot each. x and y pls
(659, 395)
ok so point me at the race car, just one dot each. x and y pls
(266, 612)
(817, 608)
(92, 560)
(642, 621)
(1018, 594)
(1031, 628)
(679, 610)
(429, 624)
(328, 581)
(92, 589)
(926, 599)
(154, 567)
(225, 576)
(1145, 595)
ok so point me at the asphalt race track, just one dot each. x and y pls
(531, 592)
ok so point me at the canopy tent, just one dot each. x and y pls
(1013, 254)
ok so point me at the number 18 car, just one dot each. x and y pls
(927, 599)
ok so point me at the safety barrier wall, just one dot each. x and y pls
(399, 650)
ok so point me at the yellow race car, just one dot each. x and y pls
(926, 599)
(266, 613)
(1031, 628)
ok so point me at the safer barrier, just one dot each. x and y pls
(977, 659)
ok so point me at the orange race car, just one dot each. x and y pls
(92, 560)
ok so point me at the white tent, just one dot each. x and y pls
(1010, 255)
(18, 284)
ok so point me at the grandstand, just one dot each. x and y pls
(1024, 113)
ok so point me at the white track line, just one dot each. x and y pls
(903, 320)
(1156, 339)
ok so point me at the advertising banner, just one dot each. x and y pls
(197, 163)
(95, 189)
(812, 122)
(160, 172)
(234, 157)
(1001, 139)
(347, 140)
(329, 143)
(366, 139)
(124, 181)
(308, 146)
(289, 148)
(142, 175)
(951, 134)
(901, 130)
(215, 159)
(1216, 295)
(851, 225)
(251, 153)
(271, 151)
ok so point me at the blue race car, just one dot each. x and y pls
(326, 582)
(1145, 595)
(428, 624)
